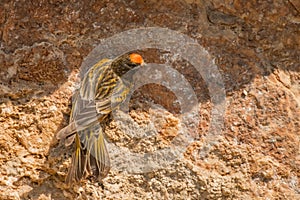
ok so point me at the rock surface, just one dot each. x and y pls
(256, 46)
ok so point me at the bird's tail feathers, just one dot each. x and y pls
(91, 155)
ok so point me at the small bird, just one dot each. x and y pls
(91, 108)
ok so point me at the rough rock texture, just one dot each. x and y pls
(255, 44)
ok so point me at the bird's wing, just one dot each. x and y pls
(85, 116)
(93, 78)
(84, 112)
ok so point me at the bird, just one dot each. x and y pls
(91, 108)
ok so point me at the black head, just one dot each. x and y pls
(126, 62)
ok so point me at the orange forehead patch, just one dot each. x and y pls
(136, 58)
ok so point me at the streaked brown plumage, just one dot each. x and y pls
(91, 108)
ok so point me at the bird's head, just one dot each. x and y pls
(126, 62)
